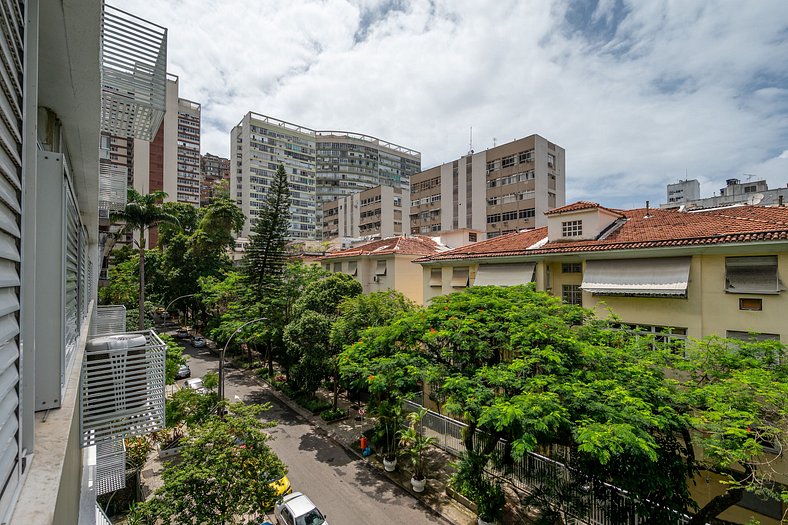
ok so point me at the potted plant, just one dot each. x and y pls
(416, 443)
(390, 416)
(490, 502)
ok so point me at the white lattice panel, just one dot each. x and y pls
(109, 319)
(122, 386)
(112, 188)
(133, 74)
(110, 466)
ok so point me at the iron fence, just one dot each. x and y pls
(581, 499)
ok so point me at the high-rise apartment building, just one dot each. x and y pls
(171, 162)
(380, 211)
(214, 170)
(321, 166)
(500, 190)
(683, 191)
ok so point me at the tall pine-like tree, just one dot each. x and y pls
(267, 251)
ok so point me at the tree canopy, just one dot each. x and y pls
(519, 365)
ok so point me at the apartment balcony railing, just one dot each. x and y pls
(110, 466)
(133, 74)
(112, 189)
(123, 377)
(108, 320)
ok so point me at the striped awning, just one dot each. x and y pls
(661, 277)
(504, 274)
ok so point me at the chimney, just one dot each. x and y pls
(648, 215)
(780, 201)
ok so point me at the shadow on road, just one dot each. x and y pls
(317, 441)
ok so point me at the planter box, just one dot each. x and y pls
(165, 453)
(462, 500)
(337, 420)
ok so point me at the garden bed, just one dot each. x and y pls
(333, 416)
(462, 500)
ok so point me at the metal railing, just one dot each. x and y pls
(110, 466)
(133, 74)
(109, 319)
(101, 516)
(112, 188)
(122, 386)
(582, 499)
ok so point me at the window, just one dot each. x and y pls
(526, 156)
(550, 160)
(571, 268)
(495, 217)
(755, 305)
(338, 267)
(749, 189)
(352, 268)
(507, 162)
(572, 228)
(752, 275)
(751, 336)
(571, 294)
(459, 277)
(436, 276)
(472, 237)
(381, 268)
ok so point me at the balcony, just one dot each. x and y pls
(122, 385)
(112, 189)
(133, 74)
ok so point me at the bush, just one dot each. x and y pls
(333, 415)
(312, 404)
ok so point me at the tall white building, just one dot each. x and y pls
(321, 166)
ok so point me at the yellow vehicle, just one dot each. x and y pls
(281, 486)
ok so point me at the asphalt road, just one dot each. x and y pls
(344, 488)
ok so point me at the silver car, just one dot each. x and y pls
(297, 509)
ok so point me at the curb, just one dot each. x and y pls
(317, 422)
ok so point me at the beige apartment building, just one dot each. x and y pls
(385, 264)
(498, 191)
(671, 273)
(380, 211)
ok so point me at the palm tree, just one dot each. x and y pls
(142, 212)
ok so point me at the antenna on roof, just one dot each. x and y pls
(493, 142)
(470, 143)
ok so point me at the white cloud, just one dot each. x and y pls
(639, 93)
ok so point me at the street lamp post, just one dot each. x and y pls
(166, 314)
(221, 354)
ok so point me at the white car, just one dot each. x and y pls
(297, 509)
(195, 383)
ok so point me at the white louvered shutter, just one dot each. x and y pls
(11, 49)
(72, 276)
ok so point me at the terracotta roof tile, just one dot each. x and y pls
(580, 205)
(410, 245)
(661, 228)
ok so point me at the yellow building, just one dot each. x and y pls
(682, 274)
(386, 264)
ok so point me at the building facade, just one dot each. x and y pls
(64, 83)
(683, 191)
(214, 172)
(498, 191)
(171, 161)
(667, 273)
(321, 166)
(385, 264)
(381, 211)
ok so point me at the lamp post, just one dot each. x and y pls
(166, 314)
(221, 354)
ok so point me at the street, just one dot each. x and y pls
(342, 487)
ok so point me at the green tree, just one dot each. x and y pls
(736, 394)
(360, 312)
(308, 336)
(266, 254)
(188, 217)
(519, 365)
(218, 222)
(141, 213)
(224, 473)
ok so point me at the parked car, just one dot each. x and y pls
(281, 486)
(183, 372)
(297, 509)
(195, 383)
(198, 342)
(182, 334)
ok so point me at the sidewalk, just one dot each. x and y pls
(347, 432)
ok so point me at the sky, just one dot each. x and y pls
(639, 94)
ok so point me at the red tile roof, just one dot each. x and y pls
(410, 245)
(580, 205)
(661, 228)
